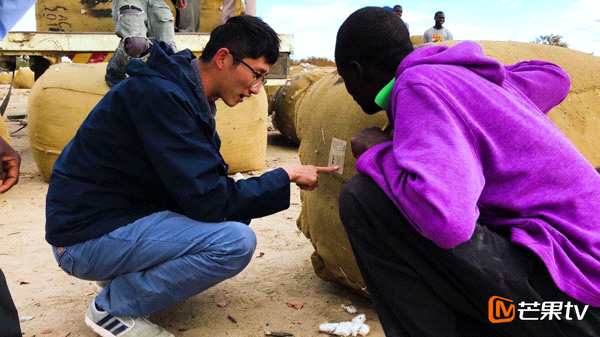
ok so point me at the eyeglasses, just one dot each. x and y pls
(258, 77)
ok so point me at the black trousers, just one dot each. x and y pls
(9, 319)
(419, 289)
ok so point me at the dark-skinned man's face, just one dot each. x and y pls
(361, 89)
(440, 19)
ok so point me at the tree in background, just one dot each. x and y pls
(551, 40)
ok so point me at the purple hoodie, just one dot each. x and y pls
(472, 144)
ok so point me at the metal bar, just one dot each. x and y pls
(40, 43)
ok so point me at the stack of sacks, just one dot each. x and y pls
(210, 13)
(288, 99)
(23, 78)
(328, 111)
(95, 16)
(62, 98)
(76, 15)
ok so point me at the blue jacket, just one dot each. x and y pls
(151, 145)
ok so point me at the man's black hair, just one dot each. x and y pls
(438, 12)
(397, 6)
(372, 35)
(244, 36)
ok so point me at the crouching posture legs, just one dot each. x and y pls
(152, 263)
(419, 289)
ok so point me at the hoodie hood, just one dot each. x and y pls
(165, 63)
(466, 54)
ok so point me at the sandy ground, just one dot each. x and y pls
(52, 303)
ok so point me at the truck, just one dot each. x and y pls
(83, 31)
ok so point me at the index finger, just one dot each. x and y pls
(7, 183)
(327, 169)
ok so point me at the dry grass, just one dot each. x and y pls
(317, 61)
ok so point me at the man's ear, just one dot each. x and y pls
(356, 70)
(220, 58)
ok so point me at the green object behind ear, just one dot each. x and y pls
(383, 97)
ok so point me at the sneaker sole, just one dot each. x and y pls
(97, 329)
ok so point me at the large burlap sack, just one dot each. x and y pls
(74, 16)
(23, 78)
(579, 115)
(95, 16)
(67, 92)
(210, 13)
(271, 91)
(293, 72)
(243, 132)
(4, 130)
(58, 104)
(288, 98)
(328, 111)
(5, 77)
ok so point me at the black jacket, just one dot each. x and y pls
(150, 145)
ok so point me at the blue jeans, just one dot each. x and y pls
(159, 260)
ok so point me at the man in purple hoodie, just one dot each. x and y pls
(475, 215)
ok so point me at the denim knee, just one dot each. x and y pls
(247, 243)
(240, 245)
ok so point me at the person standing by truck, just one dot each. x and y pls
(136, 22)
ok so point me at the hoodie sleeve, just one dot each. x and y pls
(544, 83)
(431, 170)
(189, 165)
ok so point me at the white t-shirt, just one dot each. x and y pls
(437, 35)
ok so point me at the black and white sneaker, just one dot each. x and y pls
(106, 325)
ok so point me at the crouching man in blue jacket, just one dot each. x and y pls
(140, 197)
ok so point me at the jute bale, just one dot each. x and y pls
(293, 71)
(578, 115)
(74, 16)
(243, 132)
(58, 104)
(271, 91)
(288, 98)
(210, 13)
(67, 92)
(328, 111)
(95, 16)
(4, 77)
(23, 78)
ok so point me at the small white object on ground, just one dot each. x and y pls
(349, 309)
(356, 327)
(25, 318)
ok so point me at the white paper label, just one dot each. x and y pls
(337, 154)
